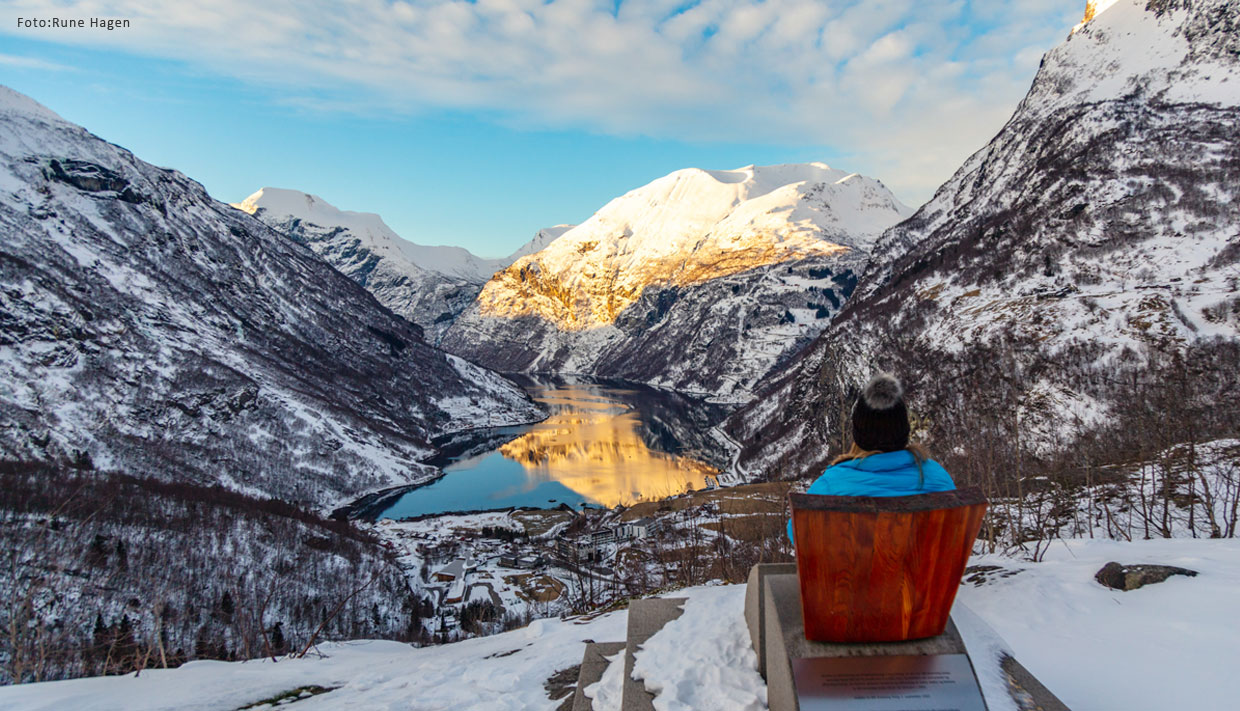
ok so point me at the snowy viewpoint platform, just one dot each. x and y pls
(862, 621)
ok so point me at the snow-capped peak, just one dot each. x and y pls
(427, 285)
(302, 205)
(544, 237)
(281, 205)
(688, 210)
(1092, 9)
(693, 226)
(13, 103)
(1172, 51)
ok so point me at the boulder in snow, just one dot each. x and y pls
(1130, 577)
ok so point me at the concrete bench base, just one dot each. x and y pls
(645, 618)
(593, 664)
(755, 604)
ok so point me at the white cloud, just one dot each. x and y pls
(13, 60)
(904, 88)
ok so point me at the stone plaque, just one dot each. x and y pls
(931, 682)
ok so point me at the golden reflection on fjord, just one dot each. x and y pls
(591, 445)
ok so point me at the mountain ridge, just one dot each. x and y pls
(699, 281)
(427, 285)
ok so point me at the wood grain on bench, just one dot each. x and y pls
(882, 569)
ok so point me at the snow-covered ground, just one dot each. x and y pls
(1173, 645)
(1170, 645)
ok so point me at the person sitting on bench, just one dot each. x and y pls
(882, 461)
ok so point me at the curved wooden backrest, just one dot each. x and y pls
(882, 569)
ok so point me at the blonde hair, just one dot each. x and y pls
(920, 454)
(856, 452)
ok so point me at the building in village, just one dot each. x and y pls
(585, 547)
(640, 528)
(456, 592)
(593, 545)
(438, 554)
(455, 574)
(451, 572)
(572, 548)
(515, 560)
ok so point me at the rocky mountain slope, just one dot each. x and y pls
(1084, 260)
(700, 281)
(430, 286)
(145, 327)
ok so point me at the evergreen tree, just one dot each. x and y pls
(277, 638)
(202, 647)
(122, 557)
(98, 555)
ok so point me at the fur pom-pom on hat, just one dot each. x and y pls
(880, 418)
(883, 392)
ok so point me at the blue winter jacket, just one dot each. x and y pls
(886, 474)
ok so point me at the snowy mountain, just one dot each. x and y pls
(369, 232)
(147, 328)
(1082, 262)
(701, 280)
(427, 285)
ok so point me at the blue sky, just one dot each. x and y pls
(477, 123)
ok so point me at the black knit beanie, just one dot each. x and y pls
(880, 419)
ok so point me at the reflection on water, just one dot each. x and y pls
(594, 448)
(591, 445)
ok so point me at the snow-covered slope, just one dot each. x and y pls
(149, 328)
(369, 233)
(540, 242)
(1099, 225)
(700, 280)
(427, 285)
(430, 286)
(1084, 641)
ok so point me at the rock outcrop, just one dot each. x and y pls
(1130, 577)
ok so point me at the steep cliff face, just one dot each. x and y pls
(1096, 233)
(430, 286)
(701, 281)
(148, 328)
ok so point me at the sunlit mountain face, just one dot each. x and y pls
(701, 281)
(593, 297)
(592, 444)
(687, 228)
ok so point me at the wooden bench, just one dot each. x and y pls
(882, 569)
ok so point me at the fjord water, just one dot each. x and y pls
(603, 444)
